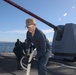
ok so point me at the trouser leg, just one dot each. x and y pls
(42, 64)
(18, 54)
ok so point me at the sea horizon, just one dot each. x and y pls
(6, 46)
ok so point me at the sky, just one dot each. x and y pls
(12, 20)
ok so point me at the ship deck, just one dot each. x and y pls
(8, 66)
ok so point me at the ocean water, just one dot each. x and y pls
(6, 46)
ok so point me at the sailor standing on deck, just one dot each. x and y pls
(37, 37)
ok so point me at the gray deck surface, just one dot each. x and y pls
(8, 66)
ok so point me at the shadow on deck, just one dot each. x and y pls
(8, 66)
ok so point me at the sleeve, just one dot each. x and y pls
(28, 40)
(42, 46)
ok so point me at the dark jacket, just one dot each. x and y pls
(40, 42)
(17, 43)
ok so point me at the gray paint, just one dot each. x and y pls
(67, 43)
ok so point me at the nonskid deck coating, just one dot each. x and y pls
(8, 66)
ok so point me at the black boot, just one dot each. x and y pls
(19, 67)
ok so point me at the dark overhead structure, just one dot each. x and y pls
(64, 40)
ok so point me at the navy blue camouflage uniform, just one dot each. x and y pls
(43, 49)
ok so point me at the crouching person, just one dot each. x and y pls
(38, 38)
(18, 51)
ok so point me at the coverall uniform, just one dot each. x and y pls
(43, 49)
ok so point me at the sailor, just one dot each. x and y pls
(38, 38)
(18, 51)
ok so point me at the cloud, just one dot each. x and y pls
(14, 31)
(50, 39)
(65, 14)
(23, 31)
(48, 31)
